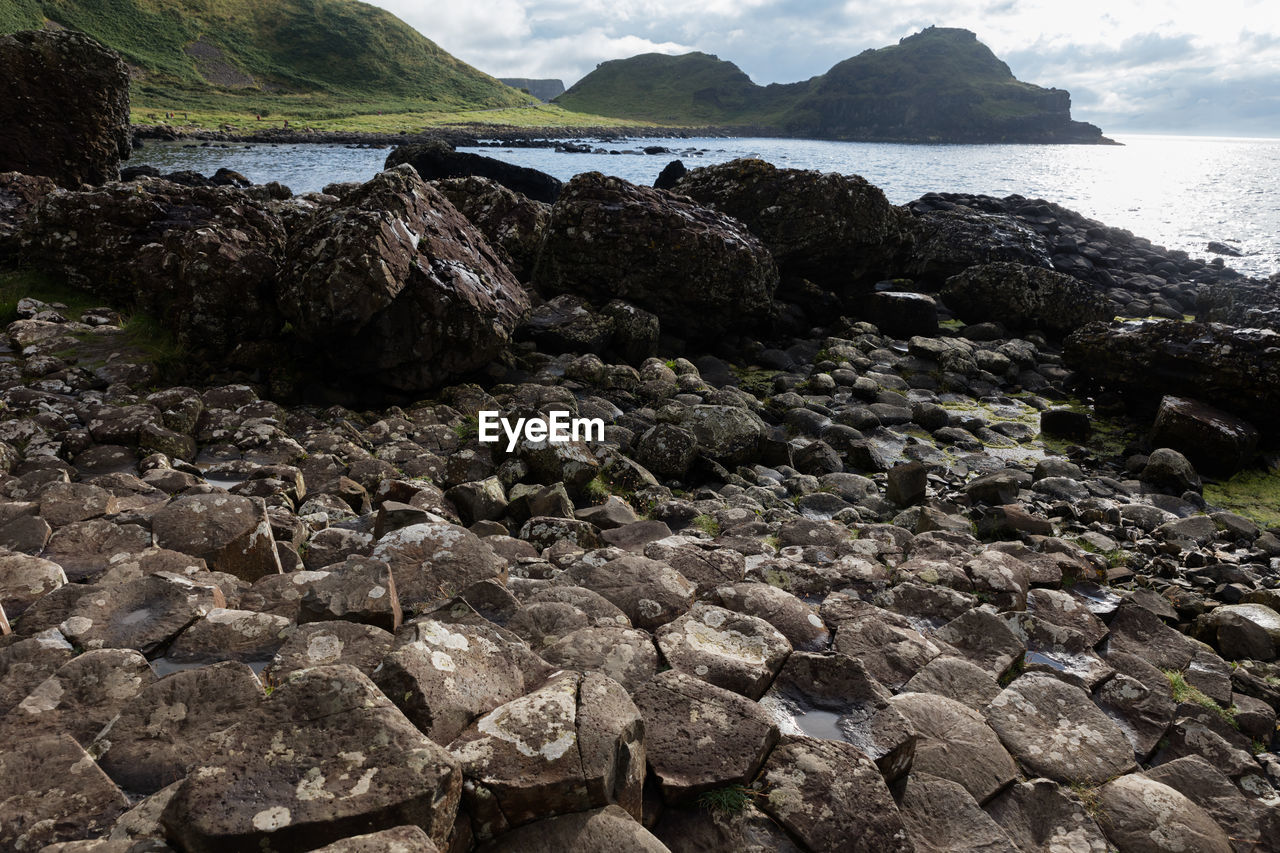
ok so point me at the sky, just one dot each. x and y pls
(1186, 66)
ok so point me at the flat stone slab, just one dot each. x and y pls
(956, 743)
(731, 650)
(831, 797)
(174, 724)
(685, 718)
(327, 756)
(444, 675)
(51, 791)
(574, 744)
(1055, 730)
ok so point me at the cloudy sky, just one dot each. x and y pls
(1189, 66)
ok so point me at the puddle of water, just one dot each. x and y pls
(1100, 601)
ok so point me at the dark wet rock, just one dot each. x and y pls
(626, 655)
(395, 288)
(422, 675)
(948, 242)
(509, 220)
(956, 743)
(1025, 297)
(330, 756)
(173, 724)
(1066, 423)
(47, 71)
(649, 592)
(941, 816)
(666, 450)
(325, 643)
(1055, 730)
(609, 828)
(434, 561)
(608, 238)
(903, 315)
(574, 744)
(51, 791)
(18, 194)
(81, 697)
(1040, 816)
(437, 160)
(682, 714)
(834, 230)
(1141, 814)
(670, 175)
(1245, 631)
(1237, 370)
(831, 797)
(732, 650)
(1216, 442)
(229, 532)
(201, 261)
(907, 484)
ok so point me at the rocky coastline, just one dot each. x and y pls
(906, 532)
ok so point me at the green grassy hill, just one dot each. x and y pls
(938, 85)
(312, 58)
(694, 89)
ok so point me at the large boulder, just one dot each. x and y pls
(201, 260)
(950, 241)
(65, 114)
(1237, 370)
(700, 271)
(435, 160)
(1025, 297)
(18, 195)
(510, 221)
(393, 287)
(835, 230)
(1215, 441)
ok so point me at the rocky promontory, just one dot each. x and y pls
(930, 527)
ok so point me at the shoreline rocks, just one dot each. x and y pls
(821, 585)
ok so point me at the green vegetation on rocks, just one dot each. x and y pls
(304, 58)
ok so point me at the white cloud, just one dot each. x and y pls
(1151, 58)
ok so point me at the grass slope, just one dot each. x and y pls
(938, 83)
(309, 58)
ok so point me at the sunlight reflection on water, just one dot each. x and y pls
(1180, 192)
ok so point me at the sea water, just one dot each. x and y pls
(1180, 192)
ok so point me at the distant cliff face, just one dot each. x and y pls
(543, 90)
(939, 85)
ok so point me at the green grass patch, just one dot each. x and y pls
(214, 112)
(1254, 494)
(730, 800)
(18, 284)
(707, 525)
(597, 491)
(756, 381)
(1184, 692)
